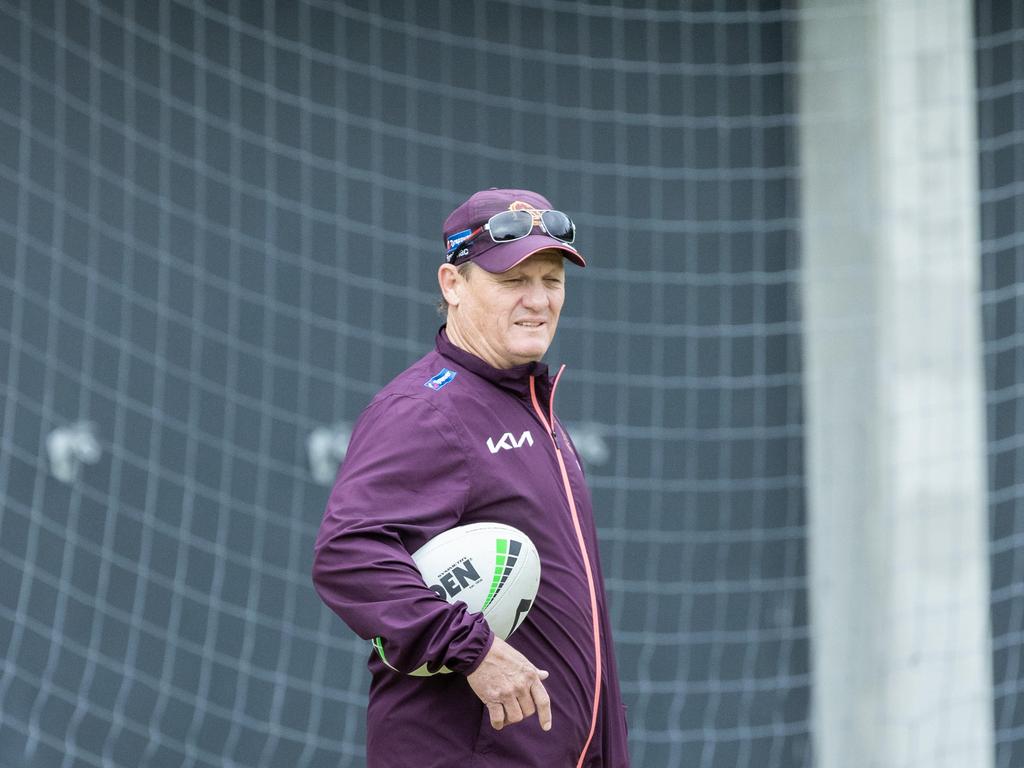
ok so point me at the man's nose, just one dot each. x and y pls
(535, 295)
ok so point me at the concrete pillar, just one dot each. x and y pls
(894, 389)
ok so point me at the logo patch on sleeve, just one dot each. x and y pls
(442, 378)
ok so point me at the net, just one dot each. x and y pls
(1000, 53)
(219, 227)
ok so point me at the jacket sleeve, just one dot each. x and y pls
(403, 481)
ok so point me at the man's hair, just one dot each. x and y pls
(442, 304)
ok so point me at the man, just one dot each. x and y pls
(429, 454)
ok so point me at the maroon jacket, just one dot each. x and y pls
(453, 441)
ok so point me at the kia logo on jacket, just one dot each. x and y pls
(508, 441)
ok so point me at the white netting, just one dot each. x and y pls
(219, 227)
(1000, 60)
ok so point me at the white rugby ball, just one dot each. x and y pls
(491, 567)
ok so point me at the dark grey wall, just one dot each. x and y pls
(219, 228)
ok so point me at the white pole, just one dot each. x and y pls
(898, 543)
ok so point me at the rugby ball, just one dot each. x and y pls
(491, 567)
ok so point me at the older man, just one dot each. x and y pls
(428, 454)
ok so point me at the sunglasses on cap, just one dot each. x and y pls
(507, 226)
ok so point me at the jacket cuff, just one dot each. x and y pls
(471, 655)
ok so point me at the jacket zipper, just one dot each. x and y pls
(549, 425)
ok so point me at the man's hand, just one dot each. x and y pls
(510, 687)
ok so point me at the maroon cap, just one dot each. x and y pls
(500, 257)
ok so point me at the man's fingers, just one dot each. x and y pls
(497, 713)
(510, 687)
(513, 712)
(526, 704)
(543, 702)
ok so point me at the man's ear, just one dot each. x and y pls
(450, 282)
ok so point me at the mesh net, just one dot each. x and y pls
(1000, 58)
(219, 227)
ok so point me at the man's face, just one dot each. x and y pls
(509, 318)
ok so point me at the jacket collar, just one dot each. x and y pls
(516, 379)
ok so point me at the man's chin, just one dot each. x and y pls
(528, 353)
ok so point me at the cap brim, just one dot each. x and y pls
(501, 257)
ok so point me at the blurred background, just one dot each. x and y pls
(220, 225)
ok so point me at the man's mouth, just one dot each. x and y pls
(530, 323)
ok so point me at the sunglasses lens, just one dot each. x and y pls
(559, 226)
(510, 225)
